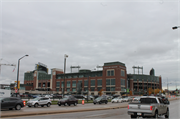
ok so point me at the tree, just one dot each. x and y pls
(150, 91)
(130, 93)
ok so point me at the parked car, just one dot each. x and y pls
(40, 101)
(117, 99)
(36, 96)
(79, 96)
(90, 97)
(100, 100)
(136, 99)
(68, 101)
(48, 96)
(57, 96)
(130, 99)
(114, 96)
(125, 99)
(11, 102)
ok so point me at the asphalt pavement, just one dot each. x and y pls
(55, 109)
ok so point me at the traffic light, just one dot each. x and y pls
(15, 86)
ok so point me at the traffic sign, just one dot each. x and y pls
(16, 90)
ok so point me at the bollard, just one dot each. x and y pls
(82, 102)
(24, 102)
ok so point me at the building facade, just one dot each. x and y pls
(112, 79)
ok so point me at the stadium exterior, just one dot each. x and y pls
(112, 79)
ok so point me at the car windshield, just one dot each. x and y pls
(35, 99)
(116, 98)
(98, 98)
(65, 98)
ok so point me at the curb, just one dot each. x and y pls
(59, 112)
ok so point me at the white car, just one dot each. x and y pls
(136, 99)
(125, 99)
(117, 99)
(48, 96)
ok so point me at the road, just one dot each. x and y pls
(113, 113)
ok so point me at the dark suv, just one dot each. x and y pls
(102, 99)
(68, 101)
(11, 102)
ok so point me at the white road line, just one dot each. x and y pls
(96, 115)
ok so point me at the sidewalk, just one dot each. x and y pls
(69, 110)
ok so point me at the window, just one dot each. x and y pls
(107, 88)
(74, 89)
(110, 72)
(92, 88)
(44, 84)
(57, 84)
(48, 84)
(85, 82)
(62, 83)
(85, 89)
(148, 100)
(123, 89)
(92, 82)
(122, 82)
(39, 85)
(99, 88)
(74, 84)
(68, 83)
(75, 76)
(68, 89)
(57, 89)
(99, 82)
(81, 76)
(110, 82)
(122, 73)
(112, 88)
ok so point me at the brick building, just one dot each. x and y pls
(112, 79)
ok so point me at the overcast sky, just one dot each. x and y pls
(134, 32)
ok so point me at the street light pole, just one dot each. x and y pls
(64, 72)
(18, 73)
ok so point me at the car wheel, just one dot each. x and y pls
(42, 105)
(94, 103)
(106, 102)
(167, 114)
(133, 117)
(75, 104)
(59, 104)
(156, 115)
(29, 106)
(36, 105)
(99, 102)
(18, 107)
(48, 105)
(65, 104)
(112, 101)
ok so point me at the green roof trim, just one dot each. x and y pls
(114, 63)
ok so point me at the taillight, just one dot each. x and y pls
(128, 106)
(24, 102)
(151, 107)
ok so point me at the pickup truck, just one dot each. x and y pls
(149, 106)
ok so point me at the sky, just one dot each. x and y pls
(91, 33)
